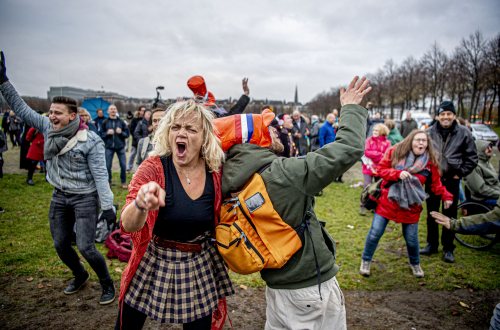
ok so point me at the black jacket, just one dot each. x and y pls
(132, 126)
(114, 141)
(457, 154)
(141, 130)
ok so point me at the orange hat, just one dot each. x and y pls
(197, 85)
(245, 128)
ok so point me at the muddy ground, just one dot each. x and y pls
(33, 303)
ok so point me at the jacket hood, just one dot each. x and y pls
(481, 146)
(242, 161)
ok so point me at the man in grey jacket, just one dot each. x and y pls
(76, 169)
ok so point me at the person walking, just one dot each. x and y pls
(458, 157)
(75, 168)
(404, 170)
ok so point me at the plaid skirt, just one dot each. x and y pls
(171, 286)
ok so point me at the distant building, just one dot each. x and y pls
(81, 94)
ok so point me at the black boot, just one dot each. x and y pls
(108, 292)
(428, 250)
(448, 257)
(77, 283)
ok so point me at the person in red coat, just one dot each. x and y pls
(375, 148)
(35, 152)
(404, 170)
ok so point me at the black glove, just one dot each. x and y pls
(3, 69)
(109, 216)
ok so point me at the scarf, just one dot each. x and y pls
(410, 191)
(56, 140)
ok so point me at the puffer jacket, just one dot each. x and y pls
(483, 180)
(292, 184)
(457, 154)
(390, 209)
(375, 148)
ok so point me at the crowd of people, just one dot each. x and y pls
(184, 167)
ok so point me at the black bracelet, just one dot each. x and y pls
(143, 210)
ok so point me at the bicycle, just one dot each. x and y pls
(478, 242)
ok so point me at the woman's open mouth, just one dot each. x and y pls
(181, 149)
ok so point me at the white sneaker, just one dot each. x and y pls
(417, 271)
(364, 269)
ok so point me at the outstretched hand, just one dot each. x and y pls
(3, 69)
(441, 219)
(151, 196)
(244, 84)
(355, 92)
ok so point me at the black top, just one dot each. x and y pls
(183, 219)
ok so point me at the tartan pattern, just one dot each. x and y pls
(171, 286)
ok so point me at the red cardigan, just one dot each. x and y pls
(389, 209)
(35, 152)
(151, 170)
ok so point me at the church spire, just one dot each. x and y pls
(296, 99)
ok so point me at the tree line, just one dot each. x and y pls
(469, 76)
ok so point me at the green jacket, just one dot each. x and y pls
(483, 180)
(468, 224)
(292, 184)
(394, 136)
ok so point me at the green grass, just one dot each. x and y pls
(26, 246)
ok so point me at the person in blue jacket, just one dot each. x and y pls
(327, 131)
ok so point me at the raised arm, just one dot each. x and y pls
(17, 104)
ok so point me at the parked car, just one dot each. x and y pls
(483, 132)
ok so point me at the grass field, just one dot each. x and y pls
(26, 246)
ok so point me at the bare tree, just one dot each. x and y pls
(434, 62)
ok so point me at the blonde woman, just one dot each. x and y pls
(375, 148)
(85, 115)
(175, 274)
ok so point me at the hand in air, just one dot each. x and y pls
(355, 92)
(150, 196)
(3, 69)
(441, 219)
(244, 84)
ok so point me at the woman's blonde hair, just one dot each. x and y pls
(390, 124)
(382, 129)
(211, 150)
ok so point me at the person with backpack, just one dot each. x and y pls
(404, 170)
(114, 132)
(145, 145)
(75, 168)
(304, 293)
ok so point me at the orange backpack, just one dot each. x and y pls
(251, 235)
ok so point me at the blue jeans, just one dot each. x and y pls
(410, 233)
(65, 211)
(121, 158)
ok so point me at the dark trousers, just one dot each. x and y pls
(121, 159)
(434, 204)
(132, 319)
(15, 137)
(66, 210)
(32, 168)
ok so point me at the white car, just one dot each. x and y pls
(483, 132)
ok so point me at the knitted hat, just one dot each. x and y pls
(197, 85)
(245, 128)
(446, 106)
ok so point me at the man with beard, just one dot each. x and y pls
(458, 157)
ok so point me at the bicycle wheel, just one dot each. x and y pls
(478, 242)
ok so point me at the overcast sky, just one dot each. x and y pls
(130, 47)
